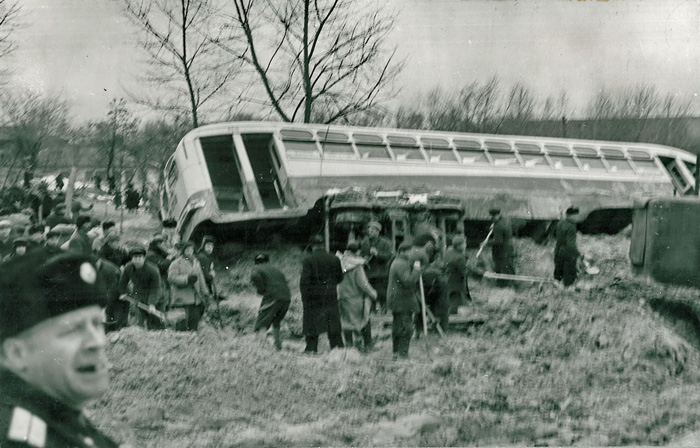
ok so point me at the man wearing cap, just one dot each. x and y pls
(108, 227)
(320, 274)
(80, 241)
(271, 284)
(141, 280)
(188, 289)
(377, 250)
(456, 286)
(403, 298)
(57, 216)
(205, 255)
(52, 351)
(6, 247)
(502, 246)
(566, 252)
(53, 239)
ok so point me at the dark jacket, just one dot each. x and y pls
(565, 235)
(320, 274)
(146, 282)
(28, 414)
(271, 284)
(79, 242)
(378, 265)
(206, 261)
(160, 259)
(402, 295)
(456, 274)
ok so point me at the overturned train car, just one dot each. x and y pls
(246, 180)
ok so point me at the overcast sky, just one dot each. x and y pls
(87, 50)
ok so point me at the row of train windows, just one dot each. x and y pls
(469, 152)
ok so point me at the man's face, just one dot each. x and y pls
(461, 247)
(5, 232)
(138, 261)
(372, 232)
(65, 356)
(188, 251)
(21, 250)
(36, 237)
(209, 248)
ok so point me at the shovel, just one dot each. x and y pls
(172, 319)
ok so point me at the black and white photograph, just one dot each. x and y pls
(361, 223)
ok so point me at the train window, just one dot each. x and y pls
(557, 150)
(338, 149)
(585, 151)
(494, 146)
(643, 161)
(407, 152)
(466, 144)
(301, 149)
(612, 153)
(368, 139)
(589, 158)
(332, 137)
(434, 143)
(528, 148)
(636, 154)
(373, 152)
(401, 140)
(293, 134)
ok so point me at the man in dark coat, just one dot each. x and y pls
(49, 374)
(141, 280)
(116, 311)
(80, 241)
(456, 286)
(403, 298)
(271, 284)
(566, 252)
(377, 250)
(57, 216)
(320, 274)
(502, 246)
(205, 255)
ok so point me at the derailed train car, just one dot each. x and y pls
(244, 180)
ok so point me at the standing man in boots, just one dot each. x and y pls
(501, 244)
(566, 252)
(320, 274)
(377, 250)
(403, 298)
(271, 284)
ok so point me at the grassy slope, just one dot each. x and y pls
(596, 366)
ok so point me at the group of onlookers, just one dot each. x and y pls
(165, 275)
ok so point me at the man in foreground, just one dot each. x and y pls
(52, 352)
(566, 252)
(403, 298)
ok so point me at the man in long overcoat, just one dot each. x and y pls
(188, 289)
(566, 253)
(320, 274)
(377, 250)
(456, 286)
(403, 298)
(502, 246)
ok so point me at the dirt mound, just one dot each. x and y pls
(595, 366)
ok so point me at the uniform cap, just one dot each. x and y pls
(572, 211)
(316, 240)
(19, 242)
(45, 284)
(262, 258)
(208, 239)
(137, 251)
(495, 211)
(185, 245)
(374, 224)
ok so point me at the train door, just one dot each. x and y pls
(225, 173)
(270, 176)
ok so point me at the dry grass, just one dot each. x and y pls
(594, 367)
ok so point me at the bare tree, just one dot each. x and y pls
(9, 22)
(111, 136)
(318, 59)
(31, 120)
(186, 67)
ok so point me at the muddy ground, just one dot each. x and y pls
(613, 362)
